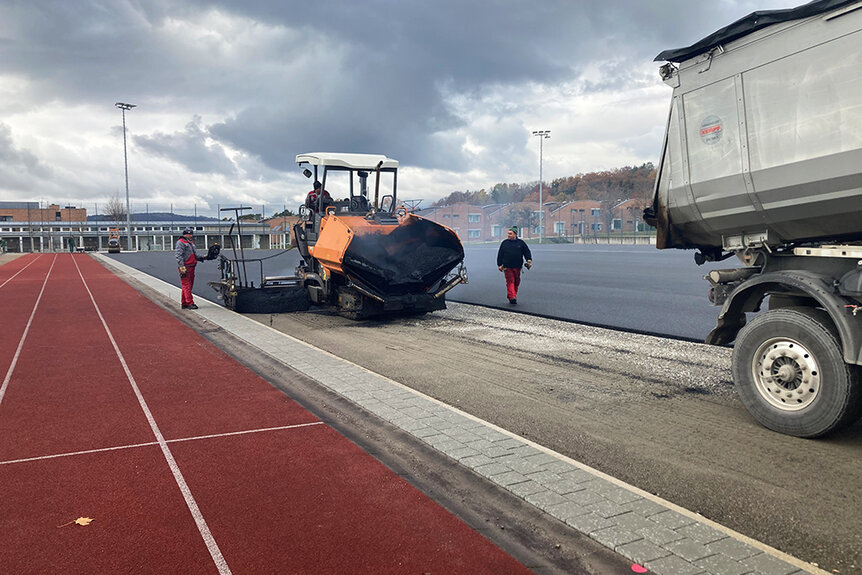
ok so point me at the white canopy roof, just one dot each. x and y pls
(350, 161)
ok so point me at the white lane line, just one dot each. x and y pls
(135, 445)
(21, 270)
(203, 528)
(24, 335)
(228, 434)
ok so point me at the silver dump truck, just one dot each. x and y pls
(762, 160)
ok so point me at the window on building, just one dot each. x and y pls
(5, 218)
(496, 231)
(473, 218)
(474, 234)
(616, 224)
(559, 228)
(455, 216)
(595, 212)
(596, 227)
(58, 216)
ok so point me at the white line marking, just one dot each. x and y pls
(21, 270)
(135, 445)
(72, 453)
(24, 335)
(203, 528)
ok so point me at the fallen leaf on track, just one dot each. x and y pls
(78, 521)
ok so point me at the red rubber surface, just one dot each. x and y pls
(294, 500)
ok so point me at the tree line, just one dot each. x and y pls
(629, 182)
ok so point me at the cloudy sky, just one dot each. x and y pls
(228, 93)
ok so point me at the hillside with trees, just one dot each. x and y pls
(625, 183)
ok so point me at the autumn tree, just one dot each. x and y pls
(116, 210)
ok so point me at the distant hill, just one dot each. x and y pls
(154, 217)
(629, 182)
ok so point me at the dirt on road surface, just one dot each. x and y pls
(659, 414)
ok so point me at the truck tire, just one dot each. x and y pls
(789, 371)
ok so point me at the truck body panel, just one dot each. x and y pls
(764, 138)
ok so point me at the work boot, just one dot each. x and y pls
(513, 301)
(193, 306)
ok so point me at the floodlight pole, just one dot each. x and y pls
(122, 106)
(543, 135)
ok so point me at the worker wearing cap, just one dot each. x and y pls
(510, 257)
(187, 259)
(311, 200)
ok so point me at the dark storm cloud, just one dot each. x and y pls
(189, 148)
(19, 168)
(273, 78)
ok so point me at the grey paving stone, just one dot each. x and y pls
(557, 466)
(660, 535)
(634, 522)
(671, 519)
(544, 477)
(589, 522)
(476, 461)
(722, 565)
(621, 495)
(567, 510)
(462, 453)
(527, 488)
(702, 533)
(425, 432)
(510, 443)
(613, 537)
(584, 497)
(521, 465)
(565, 486)
(545, 499)
(647, 507)
(491, 469)
(509, 478)
(642, 551)
(672, 565)
(688, 549)
(541, 458)
(496, 451)
(733, 548)
(608, 509)
(524, 450)
(769, 565)
(577, 475)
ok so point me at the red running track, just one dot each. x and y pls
(187, 462)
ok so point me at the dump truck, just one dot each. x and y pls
(762, 160)
(365, 254)
(362, 253)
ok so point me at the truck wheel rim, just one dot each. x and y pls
(786, 374)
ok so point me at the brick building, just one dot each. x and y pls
(32, 212)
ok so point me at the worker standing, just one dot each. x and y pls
(187, 259)
(512, 255)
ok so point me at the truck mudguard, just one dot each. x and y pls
(748, 296)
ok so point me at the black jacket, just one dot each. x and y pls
(512, 253)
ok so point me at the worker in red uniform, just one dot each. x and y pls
(187, 259)
(510, 257)
(313, 195)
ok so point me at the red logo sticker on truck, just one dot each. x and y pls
(710, 130)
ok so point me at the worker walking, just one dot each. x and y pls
(187, 259)
(513, 254)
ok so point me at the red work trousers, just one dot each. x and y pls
(513, 280)
(187, 282)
